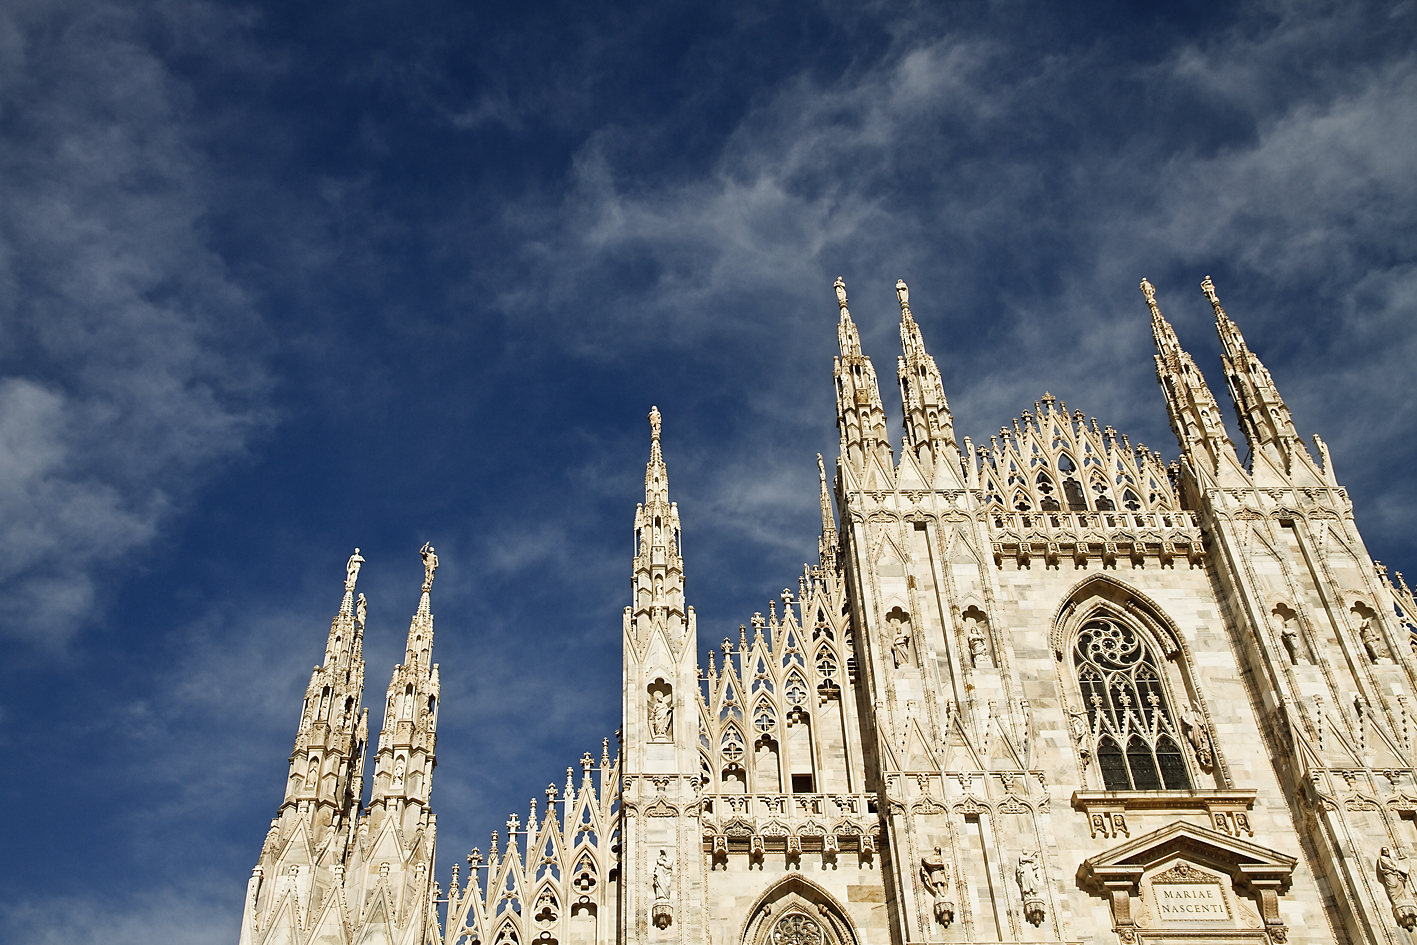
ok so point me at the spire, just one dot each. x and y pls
(326, 774)
(658, 569)
(826, 545)
(1195, 418)
(861, 417)
(1261, 412)
(929, 427)
(403, 764)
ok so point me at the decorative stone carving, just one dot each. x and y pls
(662, 913)
(351, 570)
(935, 875)
(1194, 724)
(1394, 880)
(1030, 882)
(661, 717)
(430, 565)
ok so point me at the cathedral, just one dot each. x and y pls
(1043, 688)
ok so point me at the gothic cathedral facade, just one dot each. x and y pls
(1050, 689)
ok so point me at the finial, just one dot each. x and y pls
(1148, 290)
(351, 570)
(902, 292)
(654, 424)
(822, 470)
(840, 287)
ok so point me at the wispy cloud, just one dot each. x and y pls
(128, 362)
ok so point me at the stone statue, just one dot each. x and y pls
(430, 565)
(936, 878)
(902, 292)
(361, 609)
(1394, 880)
(312, 776)
(1196, 733)
(1077, 727)
(840, 287)
(1030, 881)
(900, 648)
(654, 422)
(661, 717)
(351, 570)
(1027, 875)
(396, 781)
(663, 871)
(975, 636)
(1371, 643)
(1392, 876)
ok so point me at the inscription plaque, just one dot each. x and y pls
(1186, 896)
(1184, 904)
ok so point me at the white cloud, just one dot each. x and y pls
(128, 363)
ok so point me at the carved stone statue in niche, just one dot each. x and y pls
(978, 642)
(1372, 643)
(1394, 880)
(1289, 633)
(1194, 725)
(935, 876)
(661, 717)
(898, 624)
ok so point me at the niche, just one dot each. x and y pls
(1368, 633)
(1286, 621)
(767, 775)
(661, 711)
(976, 636)
(898, 627)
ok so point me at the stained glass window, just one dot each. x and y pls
(1137, 738)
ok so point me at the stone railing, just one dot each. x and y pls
(757, 824)
(1108, 536)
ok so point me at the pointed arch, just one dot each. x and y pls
(1123, 596)
(1140, 710)
(795, 894)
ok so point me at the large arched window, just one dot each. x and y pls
(1136, 735)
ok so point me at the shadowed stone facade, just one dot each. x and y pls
(1049, 689)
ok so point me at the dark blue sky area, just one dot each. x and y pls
(277, 280)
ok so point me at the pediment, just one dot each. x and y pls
(1194, 843)
(1185, 880)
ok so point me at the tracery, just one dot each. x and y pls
(1137, 737)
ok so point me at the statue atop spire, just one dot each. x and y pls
(902, 292)
(654, 424)
(1208, 288)
(430, 565)
(840, 286)
(351, 570)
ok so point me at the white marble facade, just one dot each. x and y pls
(1049, 689)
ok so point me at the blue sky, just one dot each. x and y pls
(281, 279)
